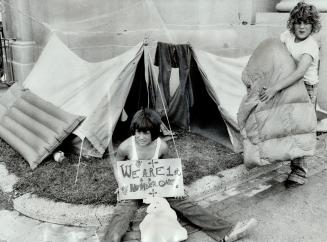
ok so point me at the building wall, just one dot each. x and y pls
(266, 5)
(101, 29)
(119, 24)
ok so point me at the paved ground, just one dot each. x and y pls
(298, 214)
(288, 215)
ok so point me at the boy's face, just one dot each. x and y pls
(143, 138)
(302, 30)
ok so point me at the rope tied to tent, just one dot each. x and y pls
(169, 126)
(46, 25)
(79, 161)
(60, 29)
(165, 110)
(52, 29)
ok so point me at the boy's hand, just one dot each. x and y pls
(118, 195)
(182, 197)
(267, 94)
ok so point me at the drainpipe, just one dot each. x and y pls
(247, 12)
(22, 47)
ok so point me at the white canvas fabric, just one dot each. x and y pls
(95, 90)
(223, 81)
(222, 78)
(99, 90)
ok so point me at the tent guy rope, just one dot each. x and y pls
(79, 161)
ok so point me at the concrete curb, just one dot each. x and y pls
(7, 180)
(63, 213)
(86, 215)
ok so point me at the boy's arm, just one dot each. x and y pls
(295, 76)
(164, 150)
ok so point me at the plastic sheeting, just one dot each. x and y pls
(101, 29)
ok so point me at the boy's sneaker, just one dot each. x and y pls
(294, 180)
(240, 229)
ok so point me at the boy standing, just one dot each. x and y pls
(302, 23)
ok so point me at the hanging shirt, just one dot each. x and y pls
(297, 49)
(134, 152)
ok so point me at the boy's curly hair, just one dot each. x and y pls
(304, 12)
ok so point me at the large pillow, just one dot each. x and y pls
(35, 127)
(283, 128)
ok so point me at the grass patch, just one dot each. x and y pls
(6, 201)
(96, 183)
(202, 156)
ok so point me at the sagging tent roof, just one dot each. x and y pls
(95, 90)
(99, 90)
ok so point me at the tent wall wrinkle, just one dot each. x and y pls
(223, 81)
(100, 90)
(96, 90)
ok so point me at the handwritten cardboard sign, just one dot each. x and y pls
(140, 179)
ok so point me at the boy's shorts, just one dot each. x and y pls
(312, 91)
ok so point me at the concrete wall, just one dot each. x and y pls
(118, 25)
(266, 5)
(101, 29)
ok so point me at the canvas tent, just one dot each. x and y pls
(96, 90)
(222, 88)
(216, 93)
(102, 91)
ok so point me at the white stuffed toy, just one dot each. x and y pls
(160, 224)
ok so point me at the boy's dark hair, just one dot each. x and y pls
(304, 12)
(146, 120)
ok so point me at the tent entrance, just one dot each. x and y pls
(205, 118)
(137, 98)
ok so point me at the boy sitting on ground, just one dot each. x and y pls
(145, 144)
